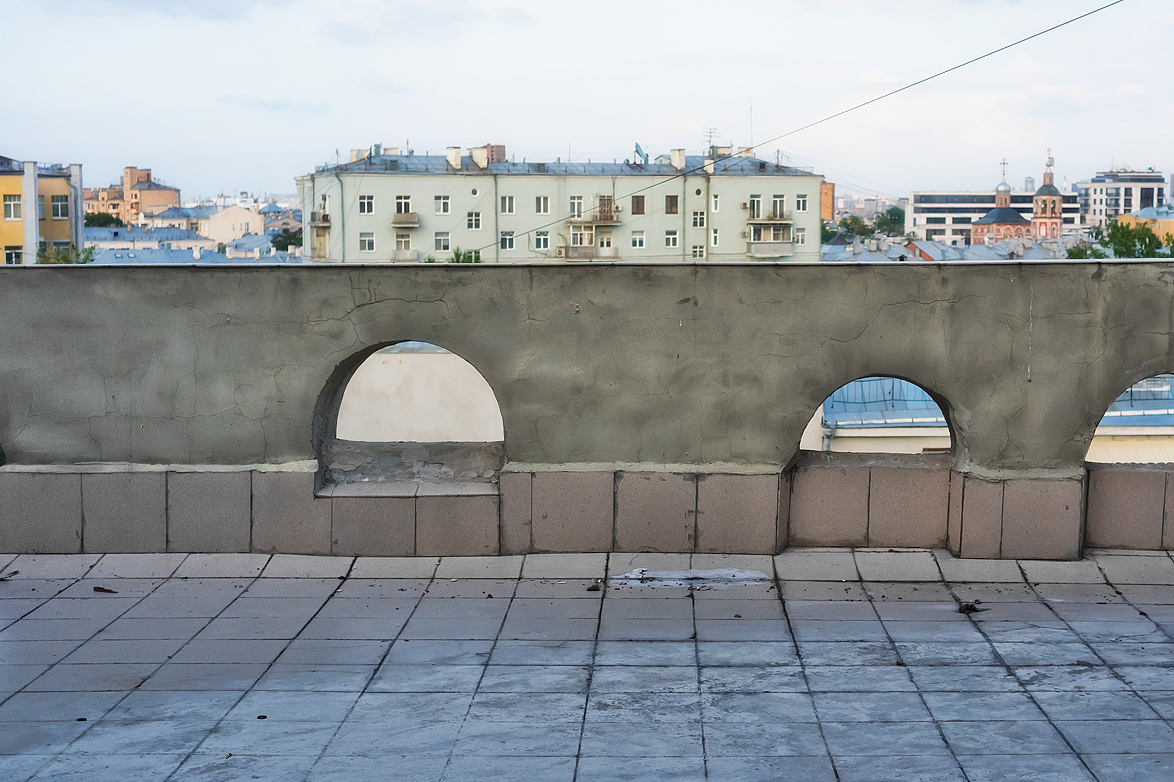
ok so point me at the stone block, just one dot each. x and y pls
(982, 519)
(954, 522)
(40, 513)
(1125, 508)
(908, 506)
(1043, 519)
(783, 527)
(124, 512)
(516, 519)
(457, 526)
(373, 526)
(829, 505)
(655, 512)
(209, 512)
(737, 514)
(573, 511)
(287, 518)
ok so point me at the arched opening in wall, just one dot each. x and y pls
(411, 411)
(1138, 427)
(879, 415)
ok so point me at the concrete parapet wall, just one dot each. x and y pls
(690, 385)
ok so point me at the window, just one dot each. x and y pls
(637, 205)
(800, 203)
(715, 204)
(582, 236)
(507, 207)
(542, 240)
(473, 221)
(403, 241)
(638, 239)
(713, 238)
(801, 236)
(670, 238)
(403, 205)
(935, 220)
(778, 205)
(440, 244)
(507, 237)
(755, 207)
(40, 207)
(699, 219)
(541, 205)
(440, 205)
(699, 251)
(576, 206)
(13, 255)
(60, 206)
(670, 204)
(12, 207)
(366, 205)
(367, 242)
(605, 241)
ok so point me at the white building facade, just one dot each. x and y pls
(388, 207)
(1120, 191)
(947, 216)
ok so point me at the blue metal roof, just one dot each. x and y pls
(438, 164)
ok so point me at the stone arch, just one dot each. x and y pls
(1121, 436)
(409, 454)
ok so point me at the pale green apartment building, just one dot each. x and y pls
(384, 206)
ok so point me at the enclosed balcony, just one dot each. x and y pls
(769, 249)
(405, 256)
(406, 220)
(320, 219)
(774, 218)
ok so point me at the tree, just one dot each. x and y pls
(1084, 252)
(855, 226)
(465, 256)
(103, 220)
(825, 234)
(286, 239)
(1133, 241)
(63, 255)
(891, 221)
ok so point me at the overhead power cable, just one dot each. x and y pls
(848, 110)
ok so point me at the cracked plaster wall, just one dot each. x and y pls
(591, 364)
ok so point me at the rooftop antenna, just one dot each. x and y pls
(752, 123)
(709, 136)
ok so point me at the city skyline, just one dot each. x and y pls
(220, 96)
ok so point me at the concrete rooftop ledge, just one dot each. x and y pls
(836, 664)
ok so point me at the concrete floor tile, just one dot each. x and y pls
(291, 587)
(561, 566)
(986, 571)
(349, 768)
(316, 678)
(967, 706)
(801, 565)
(411, 708)
(297, 566)
(637, 769)
(1118, 736)
(136, 566)
(1008, 737)
(648, 608)
(39, 738)
(177, 705)
(53, 629)
(746, 653)
(427, 678)
(1068, 678)
(384, 740)
(274, 606)
(472, 587)
(144, 629)
(847, 653)
(370, 588)
(1025, 768)
(993, 593)
(515, 652)
(558, 589)
(110, 767)
(897, 566)
(353, 628)
(1054, 631)
(830, 611)
(1143, 594)
(409, 652)
(759, 739)
(448, 629)
(858, 678)
(507, 769)
(20, 768)
(1120, 570)
(58, 706)
(717, 679)
(285, 706)
(313, 651)
(637, 678)
(646, 629)
(273, 737)
(535, 678)
(943, 613)
(644, 707)
(763, 563)
(394, 567)
(646, 653)
(122, 587)
(536, 608)
(772, 707)
(846, 630)
(1031, 654)
(517, 628)
(222, 566)
(1131, 767)
(248, 627)
(1094, 705)
(619, 563)
(36, 652)
(528, 706)
(228, 651)
(1096, 612)
(886, 592)
(967, 678)
(642, 739)
(870, 707)
(479, 567)
(15, 608)
(203, 767)
(884, 738)
(137, 651)
(769, 769)
(977, 653)
(102, 676)
(1045, 572)
(136, 737)
(213, 676)
(61, 607)
(822, 590)
(488, 739)
(156, 607)
(934, 632)
(906, 768)
(742, 630)
(53, 566)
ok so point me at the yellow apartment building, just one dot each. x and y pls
(42, 206)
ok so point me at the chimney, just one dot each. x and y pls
(745, 151)
(454, 157)
(480, 156)
(677, 157)
(196, 253)
(257, 253)
(709, 165)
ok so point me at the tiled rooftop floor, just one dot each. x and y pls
(224, 667)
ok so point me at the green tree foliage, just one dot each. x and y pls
(891, 221)
(465, 256)
(103, 220)
(825, 234)
(1133, 241)
(286, 239)
(1084, 252)
(62, 255)
(855, 226)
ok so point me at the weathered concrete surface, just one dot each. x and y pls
(611, 364)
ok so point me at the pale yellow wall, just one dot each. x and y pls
(11, 231)
(419, 397)
(49, 229)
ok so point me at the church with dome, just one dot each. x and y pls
(1003, 222)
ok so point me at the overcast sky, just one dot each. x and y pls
(224, 95)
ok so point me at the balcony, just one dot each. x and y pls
(320, 219)
(406, 220)
(769, 249)
(597, 217)
(405, 256)
(774, 218)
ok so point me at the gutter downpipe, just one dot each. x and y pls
(496, 228)
(684, 209)
(341, 216)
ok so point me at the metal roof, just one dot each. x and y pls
(138, 233)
